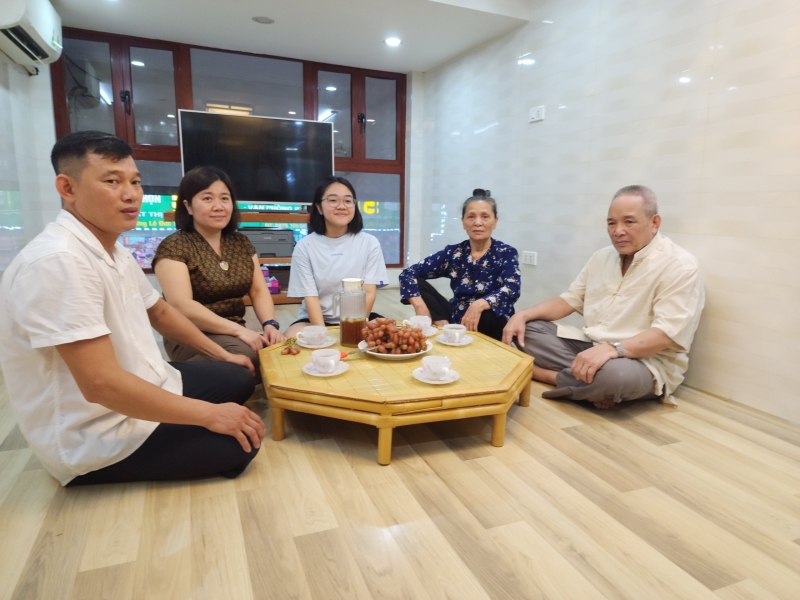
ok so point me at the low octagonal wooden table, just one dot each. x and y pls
(384, 393)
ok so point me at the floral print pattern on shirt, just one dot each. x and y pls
(495, 277)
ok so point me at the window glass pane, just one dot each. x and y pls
(160, 182)
(379, 202)
(87, 76)
(229, 83)
(153, 81)
(381, 128)
(333, 100)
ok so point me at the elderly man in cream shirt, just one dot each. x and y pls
(641, 300)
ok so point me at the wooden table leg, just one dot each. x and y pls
(384, 445)
(498, 429)
(277, 423)
(525, 395)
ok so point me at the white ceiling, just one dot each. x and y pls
(344, 32)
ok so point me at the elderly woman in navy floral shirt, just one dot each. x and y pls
(484, 275)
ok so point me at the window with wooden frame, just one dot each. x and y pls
(133, 87)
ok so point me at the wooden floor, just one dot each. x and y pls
(647, 502)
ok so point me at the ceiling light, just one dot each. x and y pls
(291, 112)
(263, 20)
(526, 61)
(562, 106)
(331, 88)
(370, 120)
(392, 41)
(335, 131)
(684, 80)
(170, 116)
(161, 123)
(548, 22)
(137, 63)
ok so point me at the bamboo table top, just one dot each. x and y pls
(486, 367)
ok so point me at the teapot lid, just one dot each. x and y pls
(352, 284)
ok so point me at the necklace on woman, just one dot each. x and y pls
(223, 264)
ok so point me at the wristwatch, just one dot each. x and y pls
(272, 322)
(620, 349)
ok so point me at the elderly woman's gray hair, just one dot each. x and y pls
(482, 195)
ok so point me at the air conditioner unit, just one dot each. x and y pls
(30, 31)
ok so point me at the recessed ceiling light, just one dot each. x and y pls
(264, 20)
(170, 116)
(370, 120)
(331, 88)
(392, 41)
(335, 131)
(548, 22)
(562, 106)
(526, 61)
(291, 112)
(684, 80)
(161, 123)
(137, 63)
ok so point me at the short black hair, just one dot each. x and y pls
(70, 151)
(316, 221)
(194, 182)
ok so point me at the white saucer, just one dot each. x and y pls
(419, 375)
(310, 369)
(468, 339)
(431, 332)
(329, 341)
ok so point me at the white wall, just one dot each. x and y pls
(722, 152)
(27, 134)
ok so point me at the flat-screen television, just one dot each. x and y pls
(269, 160)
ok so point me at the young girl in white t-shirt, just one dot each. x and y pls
(335, 248)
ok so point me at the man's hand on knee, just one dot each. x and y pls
(589, 362)
(237, 421)
(515, 328)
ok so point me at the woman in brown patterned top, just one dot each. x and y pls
(206, 267)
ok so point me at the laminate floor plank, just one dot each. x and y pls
(12, 463)
(276, 570)
(699, 537)
(306, 505)
(385, 569)
(745, 590)
(617, 561)
(330, 568)
(546, 573)
(116, 526)
(21, 517)
(163, 568)
(106, 583)
(220, 569)
(13, 440)
(468, 537)
(445, 575)
(52, 566)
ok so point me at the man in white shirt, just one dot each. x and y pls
(84, 374)
(641, 300)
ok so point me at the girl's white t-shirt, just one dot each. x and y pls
(320, 263)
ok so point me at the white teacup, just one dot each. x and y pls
(420, 322)
(454, 333)
(313, 335)
(325, 361)
(436, 368)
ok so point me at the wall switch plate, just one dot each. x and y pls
(536, 114)
(530, 258)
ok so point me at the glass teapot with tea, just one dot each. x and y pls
(352, 303)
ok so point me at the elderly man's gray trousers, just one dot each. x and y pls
(619, 379)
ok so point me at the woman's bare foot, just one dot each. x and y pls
(604, 404)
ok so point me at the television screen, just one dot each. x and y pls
(269, 160)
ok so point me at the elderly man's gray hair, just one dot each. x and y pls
(645, 193)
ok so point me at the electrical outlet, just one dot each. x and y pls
(536, 114)
(530, 258)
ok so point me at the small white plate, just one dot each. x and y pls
(310, 369)
(380, 356)
(468, 339)
(329, 341)
(419, 375)
(431, 332)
